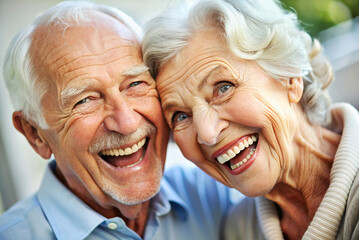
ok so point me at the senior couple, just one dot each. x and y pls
(243, 90)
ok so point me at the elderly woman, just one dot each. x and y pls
(244, 90)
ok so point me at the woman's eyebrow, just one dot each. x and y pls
(205, 78)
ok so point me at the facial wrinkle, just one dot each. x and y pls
(87, 59)
(197, 63)
(204, 81)
(54, 55)
(291, 167)
(65, 55)
(273, 132)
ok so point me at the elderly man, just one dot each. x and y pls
(83, 95)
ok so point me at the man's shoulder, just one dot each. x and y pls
(18, 212)
(21, 218)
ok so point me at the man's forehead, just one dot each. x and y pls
(52, 48)
(89, 19)
(100, 25)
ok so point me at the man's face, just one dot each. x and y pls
(106, 128)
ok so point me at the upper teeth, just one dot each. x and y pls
(231, 153)
(125, 151)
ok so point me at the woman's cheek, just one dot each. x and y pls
(245, 110)
(187, 142)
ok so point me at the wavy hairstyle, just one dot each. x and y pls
(256, 30)
(26, 87)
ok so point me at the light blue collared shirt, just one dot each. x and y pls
(190, 205)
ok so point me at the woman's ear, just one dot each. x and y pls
(31, 132)
(295, 89)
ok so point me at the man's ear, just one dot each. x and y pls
(31, 132)
(295, 89)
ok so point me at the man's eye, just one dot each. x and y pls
(134, 84)
(178, 117)
(85, 100)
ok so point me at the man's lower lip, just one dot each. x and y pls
(127, 168)
(122, 162)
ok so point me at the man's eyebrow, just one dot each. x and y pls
(204, 80)
(70, 92)
(135, 71)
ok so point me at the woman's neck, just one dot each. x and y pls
(302, 187)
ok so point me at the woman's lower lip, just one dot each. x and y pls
(241, 168)
(245, 165)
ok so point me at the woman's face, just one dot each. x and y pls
(227, 115)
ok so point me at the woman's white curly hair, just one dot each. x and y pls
(258, 30)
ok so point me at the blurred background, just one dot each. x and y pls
(334, 22)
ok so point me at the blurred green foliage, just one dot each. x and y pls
(317, 15)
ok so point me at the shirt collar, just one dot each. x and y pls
(68, 215)
(71, 218)
(167, 199)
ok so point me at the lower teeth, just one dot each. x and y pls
(234, 166)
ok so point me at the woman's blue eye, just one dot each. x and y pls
(224, 88)
(179, 117)
(182, 117)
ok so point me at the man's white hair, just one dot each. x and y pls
(256, 30)
(26, 87)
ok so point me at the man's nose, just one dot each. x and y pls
(122, 117)
(208, 126)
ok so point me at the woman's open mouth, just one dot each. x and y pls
(127, 156)
(237, 157)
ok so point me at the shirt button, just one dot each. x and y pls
(112, 225)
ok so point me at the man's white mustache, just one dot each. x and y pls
(117, 140)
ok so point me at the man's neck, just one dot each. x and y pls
(137, 224)
(135, 216)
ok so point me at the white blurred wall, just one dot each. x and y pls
(341, 45)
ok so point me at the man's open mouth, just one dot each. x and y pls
(240, 152)
(125, 157)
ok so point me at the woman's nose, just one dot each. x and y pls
(208, 126)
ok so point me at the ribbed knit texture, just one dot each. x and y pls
(326, 221)
(268, 219)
